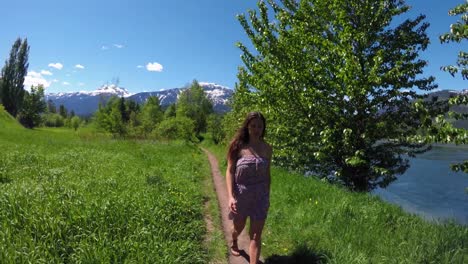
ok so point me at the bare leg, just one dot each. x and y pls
(238, 226)
(256, 228)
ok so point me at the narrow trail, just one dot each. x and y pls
(221, 191)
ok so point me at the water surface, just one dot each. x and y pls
(430, 189)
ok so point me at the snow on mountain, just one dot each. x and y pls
(111, 89)
(86, 103)
(218, 94)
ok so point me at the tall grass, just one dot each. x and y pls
(69, 198)
(313, 222)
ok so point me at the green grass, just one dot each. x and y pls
(68, 197)
(313, 222)
(215, 242)
(7, 121)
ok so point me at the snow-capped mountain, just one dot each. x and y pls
(105, 90)
(112, 90)
(86, 103)
(218, 94)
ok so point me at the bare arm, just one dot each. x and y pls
(229, 178)
(229, 184)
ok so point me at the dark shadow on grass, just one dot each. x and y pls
(5, 180)
(244, 255)
(301, 255)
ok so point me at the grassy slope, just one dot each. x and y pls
(310, 220)
(67, 197)
(7, 121)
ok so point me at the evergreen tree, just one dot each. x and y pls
(51, 108)
(34, 105)
(63, 111)
(13, 74)
(337, 80)
(123, 110)
(170, 111)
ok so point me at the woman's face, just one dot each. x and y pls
(255, 128)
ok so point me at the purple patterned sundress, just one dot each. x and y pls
(250, 188)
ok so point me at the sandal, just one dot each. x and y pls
(235, 249)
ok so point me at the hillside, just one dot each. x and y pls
(444, 95)
(6, 120)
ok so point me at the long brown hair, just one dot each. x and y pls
(242, 135)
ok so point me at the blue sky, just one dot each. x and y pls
(154, 45)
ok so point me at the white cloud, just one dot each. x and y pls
(66, 83)
(154, 66)
(35, 78)
(55, 80)
(81, 84)
(57, 65)
(79, 66)
(119, 46)
(140, 66)
(104, 47)
(45, 72)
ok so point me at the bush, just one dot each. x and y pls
(175, 128)
(53, 120)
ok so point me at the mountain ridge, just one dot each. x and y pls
(85, 103)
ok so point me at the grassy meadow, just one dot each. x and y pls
(313, 222)
(68, 197)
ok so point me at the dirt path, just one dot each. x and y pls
(220, 186)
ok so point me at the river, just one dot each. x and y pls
(430, 189)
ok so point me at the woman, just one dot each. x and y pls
(248, 182)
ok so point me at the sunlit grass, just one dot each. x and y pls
(311, 221)
(66, 197)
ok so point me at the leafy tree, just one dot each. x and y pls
(194, 104)
(458, 33)
(151, 114)
(444, 131)
(241, 102)
(336, 79)
(180, 127)
(75, 122)
(53, 120)
(215, 128)
(109, 117)
(13, 74)
(116, 124)
(34, 104)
